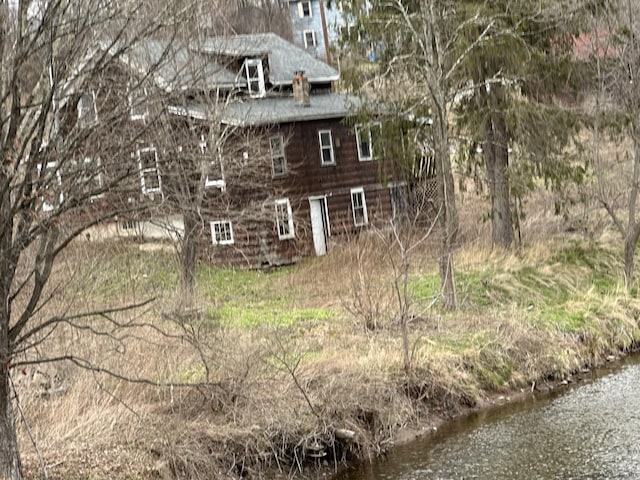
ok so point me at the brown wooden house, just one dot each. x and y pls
(247, 137)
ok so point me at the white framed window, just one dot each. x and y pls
(222, 232)
(255, 77)
(304, 9)
(278, 158)
(399, 200)
(215, 173)
(87, 110)
(149, 172)
(359, 207)
(368, 141)
(326, 147)
(309, 38)
(138, 107)
(284, 219)
(90, 178)
(52, 194)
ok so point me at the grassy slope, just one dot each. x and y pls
(289, 360)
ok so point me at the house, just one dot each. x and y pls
(248, 135)
(315, 26)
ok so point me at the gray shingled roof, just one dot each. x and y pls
(275, 110)
(179, 68)
(284, 57)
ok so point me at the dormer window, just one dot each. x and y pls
(304, 9)
(87, 111)
(255, 77)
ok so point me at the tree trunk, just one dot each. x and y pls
(496, 155)
(188, 253)
(10, 467)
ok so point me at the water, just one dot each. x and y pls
(589, 432)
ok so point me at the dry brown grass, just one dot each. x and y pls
(274, 391)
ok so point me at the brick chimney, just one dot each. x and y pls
(301, 89)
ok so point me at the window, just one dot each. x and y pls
(255, 77)
(368, 140)
(149, 173)
(309, 38)
(87, 111)
(278, 159)
(138, 103)
(52, 186)
(222, 233)
(215, 175)
(90, 177)
(359, 207)
(284, 219)
(326, 147)
(304, 8)
(399, 201)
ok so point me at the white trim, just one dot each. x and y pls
(324, 148)
(301, 9)
(226, 223)
(142, 105)
(82, 121)
(291, 233)
(97, 176)
(52, 166)
(259, 79)
(366, 129)
(278, 155)
(313, 38)
(155, 169)
(359, 191)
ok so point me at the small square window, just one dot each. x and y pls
(222, 232)
(359, 207)
(304, 8)
(87, 110)
(284, 219)
(326, 147)
(368, 141)
(278, 158)
(309, 39)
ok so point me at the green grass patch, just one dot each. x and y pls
(251, 317)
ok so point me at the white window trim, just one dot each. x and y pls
(291, 234)
(98, 163)
(146, 190)
(255, 62)
(83, 122)
(217, 182)
(145, 107)
(313, 36)
(367, 129)
(301, 9)
(275, 155)
(356, 191)
(326, 147)
(47, 207)
(213, 232)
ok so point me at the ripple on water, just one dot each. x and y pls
(590, 433)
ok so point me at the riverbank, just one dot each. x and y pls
(302, 370)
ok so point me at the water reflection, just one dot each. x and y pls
(590, 433)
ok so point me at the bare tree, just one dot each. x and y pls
(615, 50)
(66, 157)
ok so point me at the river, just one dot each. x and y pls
(589, 431)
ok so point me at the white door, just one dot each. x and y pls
(319, 223)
